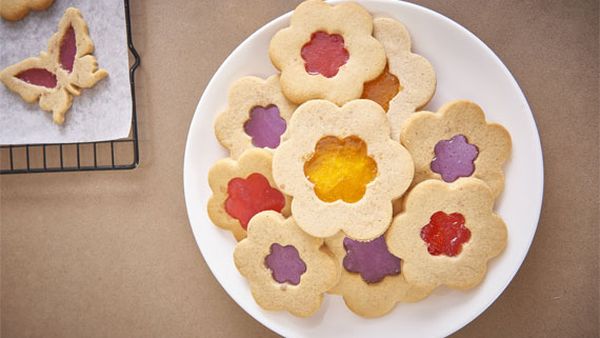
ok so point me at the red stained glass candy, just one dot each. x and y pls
(445, 234)
(247, 197)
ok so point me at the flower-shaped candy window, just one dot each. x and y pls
(382, 89)
(265, 126)
(247, 197)
(445, 234)
(340, 169)
(370, 259)
(324, 54)
(454, 158)
(241, 189)
(285, 264)
(371, 281)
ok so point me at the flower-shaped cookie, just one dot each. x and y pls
(256, 116)
(371, 281)
(342, 168)
(408, 81)
(287, 269)
(327, 52)
(447, 233)
(243, 188)
(457, 142)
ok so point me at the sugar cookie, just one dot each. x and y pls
(256, 116)
(457, 142)
(287, 269)
(342, 168)
(327, 52)
(447, 233)
(243, 188)
(408, 81)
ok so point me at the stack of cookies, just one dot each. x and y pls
(337, 183)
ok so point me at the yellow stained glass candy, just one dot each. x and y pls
(340, 169)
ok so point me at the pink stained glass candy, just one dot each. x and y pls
(324, 54)
(39, 77)
(68, 50)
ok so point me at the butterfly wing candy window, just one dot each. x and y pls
(57, 75)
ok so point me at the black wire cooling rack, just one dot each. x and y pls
(87, 156)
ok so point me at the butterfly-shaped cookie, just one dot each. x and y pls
(57, 75)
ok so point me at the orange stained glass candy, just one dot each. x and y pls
(382, 89)
(340, 169)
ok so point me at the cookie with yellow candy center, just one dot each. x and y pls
(342, 168)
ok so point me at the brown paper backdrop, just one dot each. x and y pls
(112, 253)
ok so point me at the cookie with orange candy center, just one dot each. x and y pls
(407, 83)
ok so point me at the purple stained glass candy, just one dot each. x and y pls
(265, 126)
(371, 259)
(454, 158)
(285, 264)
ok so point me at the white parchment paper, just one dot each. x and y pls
(102, 112)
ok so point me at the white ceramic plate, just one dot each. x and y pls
(466, 69)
